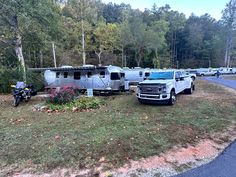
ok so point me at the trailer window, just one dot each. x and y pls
(57, 74)
(115, 76)
(89, 74)
(77, 75)
(102, 74)
(122, 75)
(140, 73)
(65, 74)
(147, 74)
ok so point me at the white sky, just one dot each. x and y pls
(198, 7)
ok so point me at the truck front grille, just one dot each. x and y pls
(151, 89)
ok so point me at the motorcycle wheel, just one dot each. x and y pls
(16, 101)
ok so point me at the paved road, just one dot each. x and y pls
(225, 164)
(222, 81)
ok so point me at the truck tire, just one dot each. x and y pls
(190, 90)
(172, 99)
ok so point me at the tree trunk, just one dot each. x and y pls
(18, 45)
(19, 54)
(83, 42)
(41, 59)
(99, 56)
(54, 55)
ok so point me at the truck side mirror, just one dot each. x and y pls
(181, 78)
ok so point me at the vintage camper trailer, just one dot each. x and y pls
(99, 78)
(136, 75)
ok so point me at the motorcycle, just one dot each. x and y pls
(22, 92)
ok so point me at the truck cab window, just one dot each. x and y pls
(147, 74)
(115, 76)
(65, 74)
(77, 75)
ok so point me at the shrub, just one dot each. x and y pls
(86, 103)
(65, 95)
(81, 103)
(9, 76)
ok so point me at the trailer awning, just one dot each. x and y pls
(81, 68)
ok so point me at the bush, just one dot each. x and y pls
(36, 79)
(81, 103)
(65, 95)
(8, 77)
(86, 103)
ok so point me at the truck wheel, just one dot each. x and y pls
(190, 90)
(172, 99)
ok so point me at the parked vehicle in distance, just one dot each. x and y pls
(22, 92)
(187, 73)
(226, 70)
(163, 86)
(134, 75)
(206, 71)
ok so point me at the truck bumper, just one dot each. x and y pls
(153, 98)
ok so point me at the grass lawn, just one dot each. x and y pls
(119, 131)
(230, 77)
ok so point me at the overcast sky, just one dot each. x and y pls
(198, 7)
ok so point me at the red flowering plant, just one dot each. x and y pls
(64, 95)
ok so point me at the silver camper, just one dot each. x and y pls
(99, 78)
(136, 75)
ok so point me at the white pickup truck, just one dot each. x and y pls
(162, 87)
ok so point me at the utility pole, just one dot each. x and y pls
(177, 62)
(209, 63)
(54, 55)
(125, 61)
(122, 63)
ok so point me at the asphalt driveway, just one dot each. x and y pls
(225, 164)
(222, 81)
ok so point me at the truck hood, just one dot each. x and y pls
(156, 81)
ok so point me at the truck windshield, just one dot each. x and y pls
(161, 75)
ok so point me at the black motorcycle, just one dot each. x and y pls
(22, 92)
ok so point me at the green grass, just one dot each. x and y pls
(230, 77)
(120, 130)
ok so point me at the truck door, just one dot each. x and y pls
(179, 83)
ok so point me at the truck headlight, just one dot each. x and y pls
(164, 89)
(138, 89)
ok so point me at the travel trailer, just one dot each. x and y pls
(99, 78)
(136, 75)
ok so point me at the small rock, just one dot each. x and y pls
(102, 160)
(74, 109)
(49, 111)
(57, 137)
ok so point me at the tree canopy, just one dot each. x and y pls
(92, 32)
